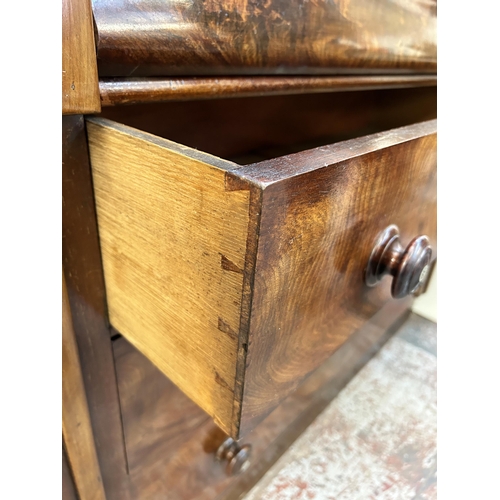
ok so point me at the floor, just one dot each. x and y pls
(377, 439)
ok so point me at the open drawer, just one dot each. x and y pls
(238, 281)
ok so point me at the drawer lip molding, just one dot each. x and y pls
(238, 281)
(119, 91)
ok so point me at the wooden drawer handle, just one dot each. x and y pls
(409, 266)
(237, 457)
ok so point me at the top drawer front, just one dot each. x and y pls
(221, 37)
(238, 281)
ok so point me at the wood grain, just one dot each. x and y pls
(321, 213)
(174, 248)
(80, 82)
(76, 426)
(170, 440)
(145, 90)
(84, 280)
(222, 37)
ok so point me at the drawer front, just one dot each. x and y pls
(322, 211)
(237, 282)
(273, 37)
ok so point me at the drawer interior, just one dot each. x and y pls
(253, 129)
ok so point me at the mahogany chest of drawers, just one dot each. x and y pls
(248, 207)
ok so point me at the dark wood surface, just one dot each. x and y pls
(171, 442)
(76, 427)
(80, 83)
(251, 129)
(144, 90)
(216, 37)
(321, 213)
(84, 280)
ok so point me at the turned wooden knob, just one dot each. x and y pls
(409, 266)
(236, 456)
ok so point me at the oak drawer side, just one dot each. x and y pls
(173, 243)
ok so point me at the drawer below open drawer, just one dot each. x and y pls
(238, 281)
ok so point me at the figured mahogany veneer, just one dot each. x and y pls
(231, 37)
(238, 281)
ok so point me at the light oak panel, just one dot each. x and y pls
(80, 82)
(173, 242)
(76, 427)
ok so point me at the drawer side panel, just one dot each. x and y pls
(173, 243)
